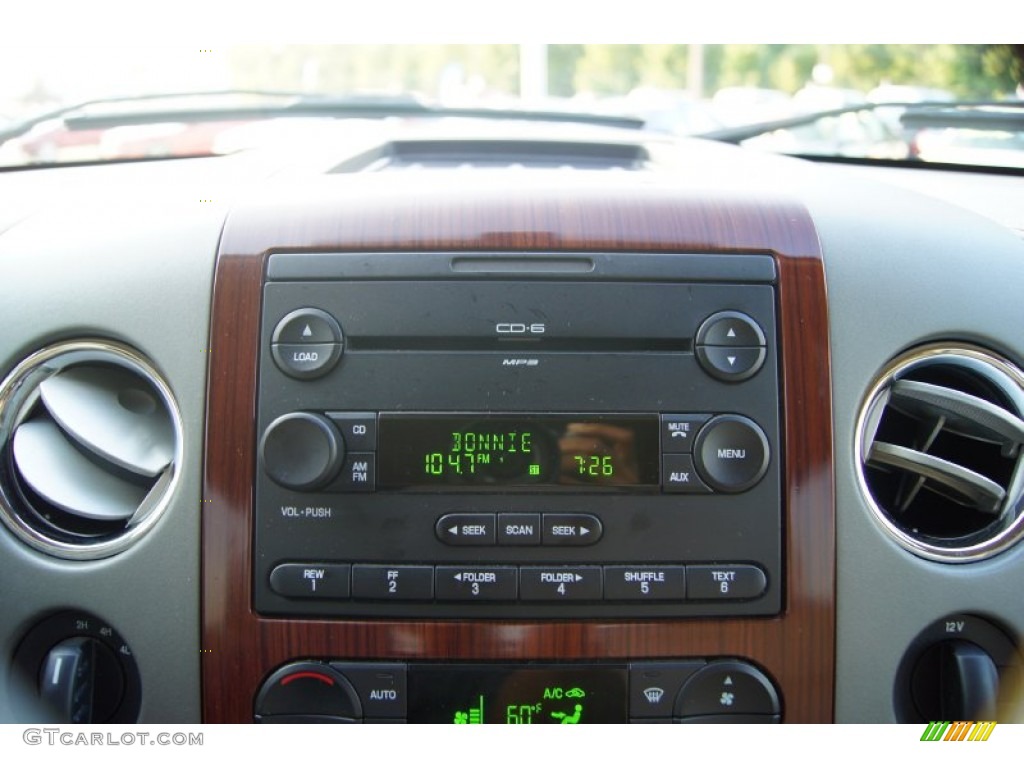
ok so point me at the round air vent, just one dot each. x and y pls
(90, 446)
(939, 452)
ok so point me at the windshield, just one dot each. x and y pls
(68, 105)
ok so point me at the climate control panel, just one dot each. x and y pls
(669, 691)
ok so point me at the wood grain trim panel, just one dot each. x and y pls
(796, 648)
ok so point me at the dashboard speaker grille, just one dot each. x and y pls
(939, 452)
(90, 446)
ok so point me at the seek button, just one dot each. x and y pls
(463, 529)
(571, 530)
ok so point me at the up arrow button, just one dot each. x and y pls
(730, 329)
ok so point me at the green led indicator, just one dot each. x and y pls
(472, 716)
(535, 469)
(566, 718)
(560, 714)
(594, 466)
(521, 714)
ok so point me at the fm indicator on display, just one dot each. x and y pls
(482, 451)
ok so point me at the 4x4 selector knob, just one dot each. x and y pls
(961, 667)
(302, 451)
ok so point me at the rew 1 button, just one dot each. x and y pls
(310, 580)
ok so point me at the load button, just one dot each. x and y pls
(571, 530)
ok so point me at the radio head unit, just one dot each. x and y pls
(518, 436)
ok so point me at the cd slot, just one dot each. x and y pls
(515, 344)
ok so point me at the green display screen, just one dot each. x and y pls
(468, 694)
(482, 451)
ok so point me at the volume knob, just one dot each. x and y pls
(302, 451)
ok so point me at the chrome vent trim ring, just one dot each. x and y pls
(22, 401)
(971, 418)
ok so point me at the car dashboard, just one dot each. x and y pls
(507, 430)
